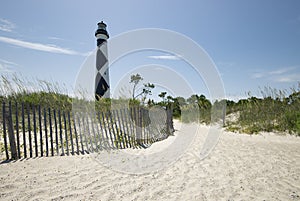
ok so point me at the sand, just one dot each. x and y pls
(241, 167)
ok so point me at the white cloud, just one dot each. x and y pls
(165, 57)
(288, 78)
(257, 75)
(278, 75)
(281, 71)
(6, 25)
(39, 46)
(55, 38)
(7, 66)
(8, 62)
(5, 69)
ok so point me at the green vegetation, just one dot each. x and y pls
(144, 92)
(194, 109)
(275, 111)
(34, 92)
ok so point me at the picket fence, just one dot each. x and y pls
(35, 131)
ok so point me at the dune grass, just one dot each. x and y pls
(276, 110)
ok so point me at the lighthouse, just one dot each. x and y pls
(102, 71)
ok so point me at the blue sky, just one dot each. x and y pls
(253, 43)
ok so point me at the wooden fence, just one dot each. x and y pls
(35, 131)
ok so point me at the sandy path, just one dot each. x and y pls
(242, 167)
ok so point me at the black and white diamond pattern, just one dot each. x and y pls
(100, 60)
(102, 74)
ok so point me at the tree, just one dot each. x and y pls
(163, 95)
(203, 102)
(135, 79)
(170, 98)
(181, 101)
(145, 91)
(193, 99)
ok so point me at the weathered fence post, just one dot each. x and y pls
(35, 132)
(51, 134)
(138, 125)
(23, 129)
(71, 136)
(127, 133)
(29, 130)
(107, 114)
(56, 132)
(170, 127)
(80, 129)
(224, 114)
(41, 130)
(4, 130)
(11, 136)
(46, 132)
(60, 134)
(66, 132)
(17, 130)
(76, 133)
(105, 130)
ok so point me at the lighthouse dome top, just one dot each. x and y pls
(101, 29)
(101, 25)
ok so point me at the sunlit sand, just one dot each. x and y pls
(241, 167)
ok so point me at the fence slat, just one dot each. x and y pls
(46, 132)
(11, 135)
(99, 133)
(93, 130)
(136, 124)
(71, 137)
(4, 129)
(66, 132)
(115, 129)
(51, 132)
(109, 126)
(76, 134)
(91, 133)
(120, 127)
(131, 126)
(105, 130)
(24, 132)
(80, 134)
(131, 116)
(41, 131)
(34, 132)
(29, 130)
(125, 122)
(84, 135)
(17, 130)
(125, 128)
(56, 132)
(88, 133)
(60, 134)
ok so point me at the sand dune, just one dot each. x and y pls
(241, 167)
